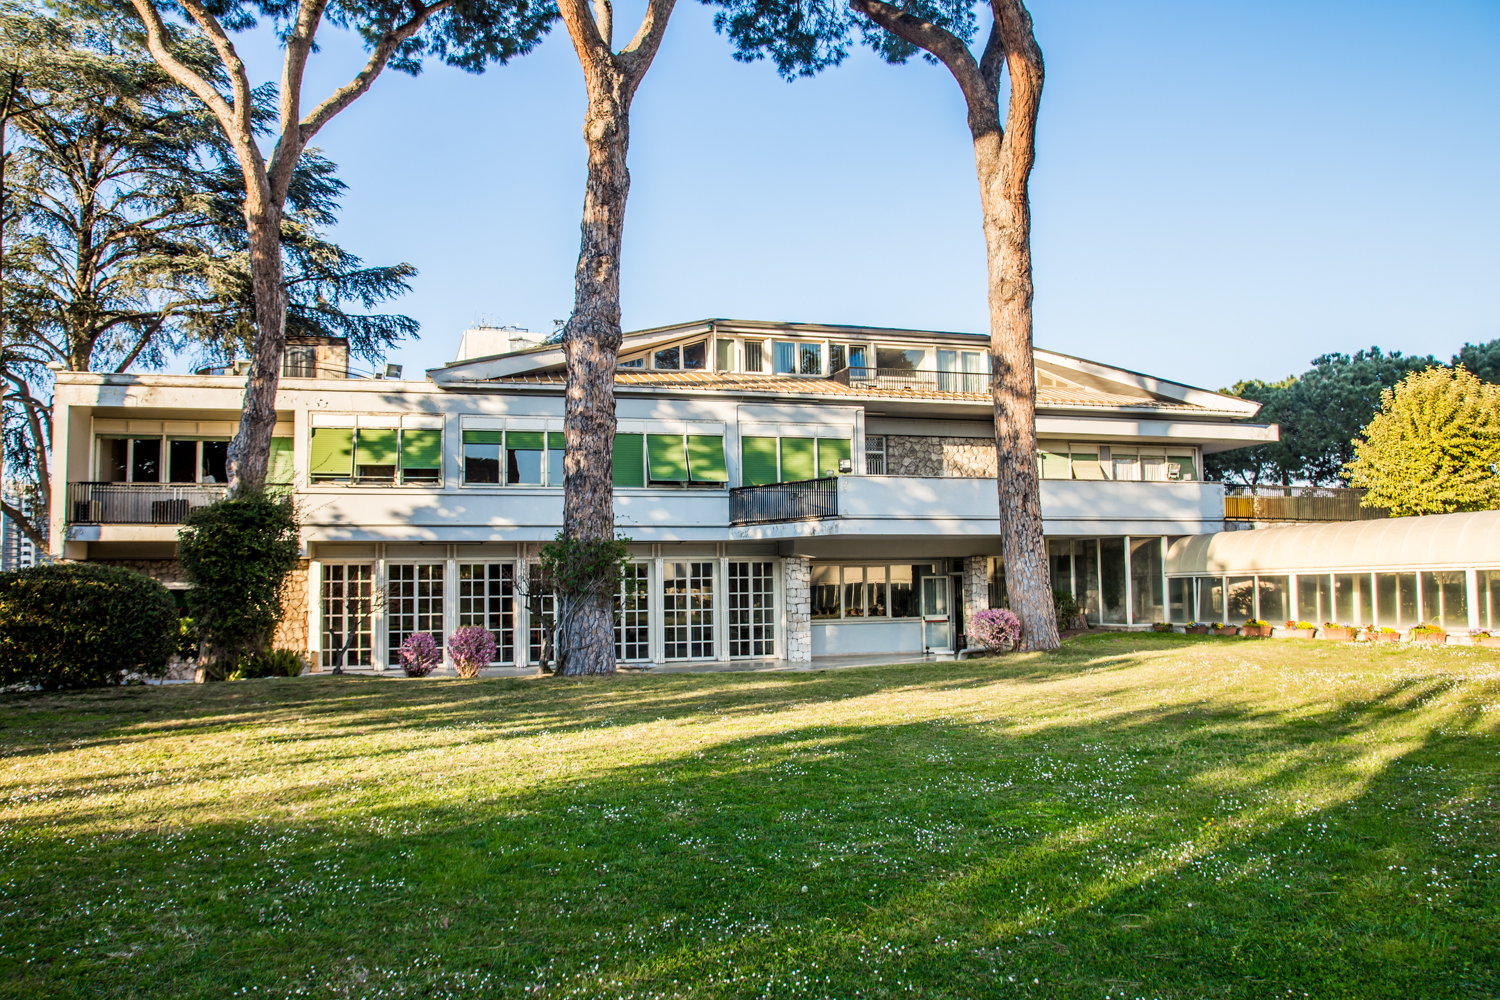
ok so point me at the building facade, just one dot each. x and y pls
(789, 490)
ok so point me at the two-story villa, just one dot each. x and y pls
(789, 490)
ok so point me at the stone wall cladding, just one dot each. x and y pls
(291, 631)
(954, 457)
(798, 609)
(976, 586)
(167, 571)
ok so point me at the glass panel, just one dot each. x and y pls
(857, 358)
(1489, 598)
(1112, 584)
(753, 356)
(695, 356)
(947, 366)
(348, 600)
(974, 363)
(541, 606)
(836, 362)
(182, 461)
(752, 609)
(810, 357)
(523, 466)
(1347, 608)
(487, 598)
(874, 456)
(633, 612)
(1060, 558)
(145, 460)
(481, 463)
(903, 600)
(934, 596)
(1147, 588)
(1088, 560)
(825, 591)
(1240, 599)
(414, 603)
(300, 362)
(688, 610)
(114, 460)
(854, 592)
(1153, 468)
(724, 355)
(1274, 593)
(1125, 467)
(1445, 599)
(634, 363)
(995, 574)
(784, 356)
(899, 358)
(875, 606)
(1396, 600)
(557, 473)
(1315, 598)
(1210, 599)
(669, 357)
(1178, 589)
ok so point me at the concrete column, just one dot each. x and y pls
(798, 609)
(315, 616)
(976, 586)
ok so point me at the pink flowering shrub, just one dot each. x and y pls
(473, 647)
(996, 628)
(420, 655)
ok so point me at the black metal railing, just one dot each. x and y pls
(1298, 503)
(903, 378)
(803, 500)
(137, 503)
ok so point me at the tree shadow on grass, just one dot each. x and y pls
(1181, 851)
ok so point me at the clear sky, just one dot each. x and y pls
(1223, 189)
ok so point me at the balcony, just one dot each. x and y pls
(806, 500)
(1297, 503)
(914, 381)
(137, 503)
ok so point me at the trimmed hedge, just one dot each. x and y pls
(77, 625)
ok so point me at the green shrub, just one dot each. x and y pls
(237, 553)
(74, 625)
(1067, 607)
(275, 663)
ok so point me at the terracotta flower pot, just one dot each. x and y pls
(1296, 633)
(1429, 638)
(1257, 631)
(1339, 634)
(1197, 631)
(1228, 630)
(1383, 636)
(1492, 641)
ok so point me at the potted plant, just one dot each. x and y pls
(1373, 634)
(1338, 633)
(1196, 628)
(1161, 627)
(1257, 629)
(1429, 634)
(1297, 630)
(1224, 628)
(1484, 637)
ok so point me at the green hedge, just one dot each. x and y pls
(75, 625)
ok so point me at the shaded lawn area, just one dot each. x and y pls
(1137, 816)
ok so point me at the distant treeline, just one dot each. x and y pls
(1324, 409)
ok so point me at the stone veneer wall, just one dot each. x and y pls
(167, 571)
(976, 586)
(798, 609)
(956, 457)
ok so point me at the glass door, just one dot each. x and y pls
(937, 621)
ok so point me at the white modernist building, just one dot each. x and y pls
(789, 490)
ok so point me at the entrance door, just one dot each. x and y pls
(937, 620)
(960, 641)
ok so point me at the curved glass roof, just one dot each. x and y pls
(1435, 541)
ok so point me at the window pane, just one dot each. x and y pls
(903, 598)
(1445, 599)
(999, 597)
(671, 357)
(1153, 468)
(874, 456)
(836, 361)
(145, 461)
(1060, 558)
(785, 357)
(875, 606)
(1126, 467)
(1347, 609)
(1087, 554)
(688, 610)
(811, 357)
(724, 355)
(1241, 599)
(899, 358)
(1315, 598)
(481, 463)
(695, 356)
(1112, 582)
(1210, 599)
(114, 460)
(857, 357)
(854, 592)
(523, 466)
(1274, 591)
(1147, 590)
(1177, 599)
(825, 591)
(182, 461)
(752, 609)
(753, 356)
(947, 366)
(1396, 600)
(1489, 598)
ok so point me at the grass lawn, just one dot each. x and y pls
(1137, 816)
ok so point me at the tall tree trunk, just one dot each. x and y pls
(250, 450)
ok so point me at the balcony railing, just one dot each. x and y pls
(1298, 503)
(137, 503)
(805, 500)
(919, 381)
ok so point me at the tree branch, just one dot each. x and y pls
(24, 523)
(947, 48)
(635, 58)
(593, 51)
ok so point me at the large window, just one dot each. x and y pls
(487, 598)
(633, 614)
(376, 455)
(1445, 599)
(682, 460)
(875, 455)
(514, 457)
(180, 460)
(348, 603)
(688, 610)
(752, 609)
(899, 358)
(791, 358)
(766, 460)
(883, 591)
(414, 603)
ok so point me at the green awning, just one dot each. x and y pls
(484, 437)
(797, 459)
(706, 458)
(629, 460)
(524, 440)
(831, 451)
(421, 449)
(279, 469)
(332, 451)
(758, 457)
(377, 446)
(668, 458)
(557, 441)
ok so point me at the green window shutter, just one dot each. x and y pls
(1055, 465)
(377, 446)
(797, 459)
(332, 451)
(484, 437)
(830, 452)
(630, 460)
(706, 458)
(279, 469)
(421, 449)
(1183, 465)
(758, 458)
(524, 440)
(557, 441)
(668, 459)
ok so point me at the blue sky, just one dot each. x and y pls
(1223, 190)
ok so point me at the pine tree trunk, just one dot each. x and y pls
(591, 340)
(251, 447)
